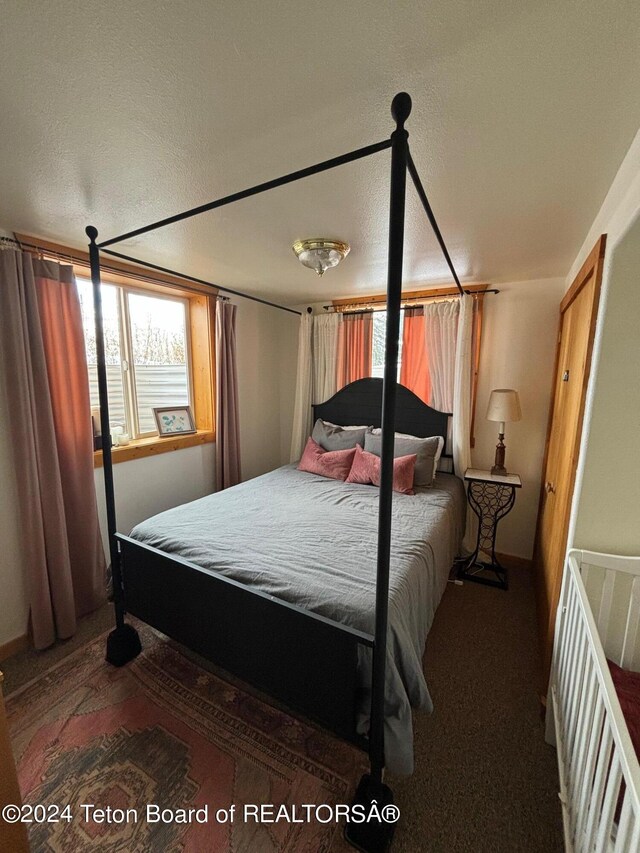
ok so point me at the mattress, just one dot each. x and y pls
(312, 541)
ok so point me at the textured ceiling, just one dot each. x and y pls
(120, 113)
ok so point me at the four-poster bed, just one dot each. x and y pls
(274, 580)
(262, 639)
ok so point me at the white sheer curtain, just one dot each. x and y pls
(462, 401)
(304, 385)
(325, 355)
(441, 331)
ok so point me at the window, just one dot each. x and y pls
(379, 333)
(147, 353)
(159, 332)
(379, 328)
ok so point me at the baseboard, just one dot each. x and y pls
(19, 644)
(510, 561)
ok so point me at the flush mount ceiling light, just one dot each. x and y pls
(319, 254)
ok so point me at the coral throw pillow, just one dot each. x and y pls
(366, 470)
(334, 464)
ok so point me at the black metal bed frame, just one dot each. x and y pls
(305, 660)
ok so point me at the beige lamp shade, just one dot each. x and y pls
(504, 406)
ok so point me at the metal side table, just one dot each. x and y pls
(491, 497)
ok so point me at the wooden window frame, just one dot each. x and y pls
(200, 337)
(127, 358)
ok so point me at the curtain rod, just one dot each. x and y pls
(338, 309)
(72, 257)
(372, 310)
(69, 257)
(18, 244)
(199, 281)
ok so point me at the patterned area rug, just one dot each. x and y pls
(166, 732)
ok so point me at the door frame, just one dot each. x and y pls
(593, 266)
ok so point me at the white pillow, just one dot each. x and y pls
(339, 426)
(378, 431)
(438, 454)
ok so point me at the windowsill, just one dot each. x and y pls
(154, 446)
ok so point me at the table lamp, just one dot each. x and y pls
(504, 407)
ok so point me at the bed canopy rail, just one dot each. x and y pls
(123, 643)
(325, 166)
(415, 177)
(195, 280)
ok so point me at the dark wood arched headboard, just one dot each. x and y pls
(360, 402)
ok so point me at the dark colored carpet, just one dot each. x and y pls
(485, 779)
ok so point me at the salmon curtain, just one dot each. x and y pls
(414, 369)
(355, 343)
(227, 410)
(43, 372)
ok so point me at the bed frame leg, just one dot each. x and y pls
(123, 645)
(375, 833)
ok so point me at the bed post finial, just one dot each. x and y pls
(401, 108)
(92, 232)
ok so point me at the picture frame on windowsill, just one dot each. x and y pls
(174, 420)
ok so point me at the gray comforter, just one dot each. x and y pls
(312, 541)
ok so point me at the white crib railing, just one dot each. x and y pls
(599, 770)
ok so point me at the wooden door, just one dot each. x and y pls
(578, 313)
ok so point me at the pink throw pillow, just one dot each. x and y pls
(334, 464)
(366, 470)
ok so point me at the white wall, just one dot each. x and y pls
(618, 210)
(518, 351)
(608, 510)
(267, 340)
(144, 487)
(606, 507)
